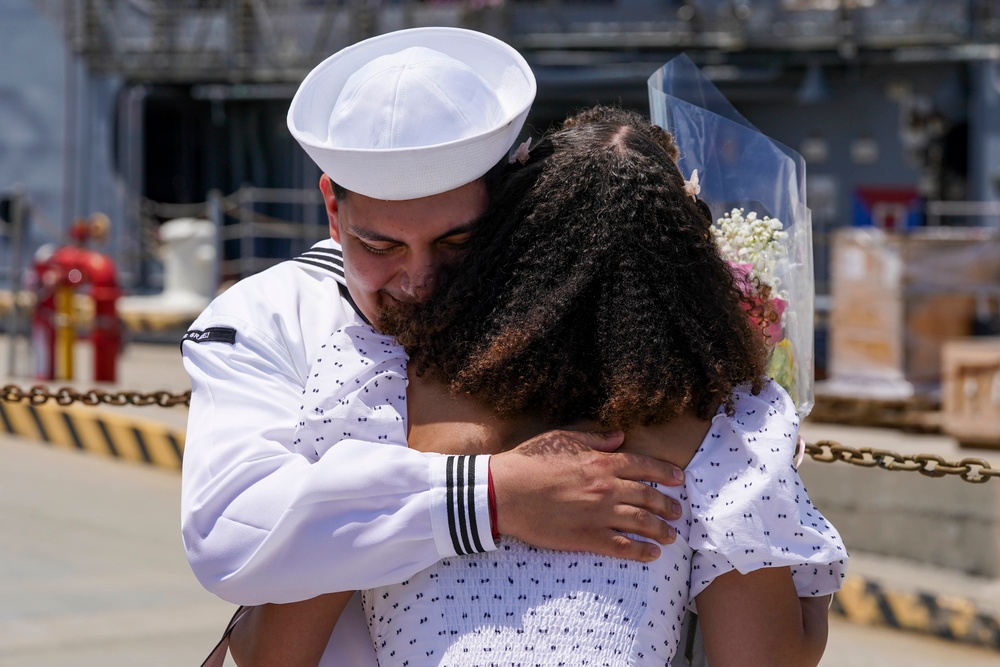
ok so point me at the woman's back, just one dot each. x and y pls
(523, 605)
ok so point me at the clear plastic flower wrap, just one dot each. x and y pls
(755, 188)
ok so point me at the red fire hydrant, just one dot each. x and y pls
(59, 276)
(43, 319)
(105, 332)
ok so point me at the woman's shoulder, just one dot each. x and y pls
(760, 429)
(749, 507)
(758, 411)
(768, 415)
(676, 441)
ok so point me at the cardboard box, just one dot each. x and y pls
(898, 297)
(970, 398)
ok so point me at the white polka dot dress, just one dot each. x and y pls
(744, 508)
(358, 384)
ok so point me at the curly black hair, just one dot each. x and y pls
(592, 289)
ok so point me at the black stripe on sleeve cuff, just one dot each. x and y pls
(460, 477)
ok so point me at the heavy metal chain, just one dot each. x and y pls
(974, 470)
(66, 395)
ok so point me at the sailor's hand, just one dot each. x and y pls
(569, 490)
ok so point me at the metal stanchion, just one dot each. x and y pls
(16, 224)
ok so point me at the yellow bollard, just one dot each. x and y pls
(64, 332)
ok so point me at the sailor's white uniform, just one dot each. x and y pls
(266, 518)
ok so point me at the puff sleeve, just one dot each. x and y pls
(749, 507)
(357, 384)
(356, 394)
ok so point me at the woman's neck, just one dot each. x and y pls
(440, 422)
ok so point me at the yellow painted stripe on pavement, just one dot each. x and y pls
(96, 430)
(959, 619)
(909, 611)
(856, 604)
(56, 432)
(87, 429)
(960, 616)
(21, 422)
(119, 433)
(161, 451)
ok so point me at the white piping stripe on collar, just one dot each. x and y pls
(327, 259)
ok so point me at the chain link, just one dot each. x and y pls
(975, 471)
(40, 394)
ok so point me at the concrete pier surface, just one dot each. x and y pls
(92, 571)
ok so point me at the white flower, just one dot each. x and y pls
(692, 186)
(760, 242)
(521, 154)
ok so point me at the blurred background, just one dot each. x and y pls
(143, 145)
(147, 111)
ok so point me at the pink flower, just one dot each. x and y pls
(772, 328)
(743, 274)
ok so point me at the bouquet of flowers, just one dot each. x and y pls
(755, 188)
(757, 250)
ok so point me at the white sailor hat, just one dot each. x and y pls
(413, 113)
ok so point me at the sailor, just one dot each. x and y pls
(409, 129)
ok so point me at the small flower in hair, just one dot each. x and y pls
(521, 154)
(691, 186)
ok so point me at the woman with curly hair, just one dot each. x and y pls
(592, 296)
